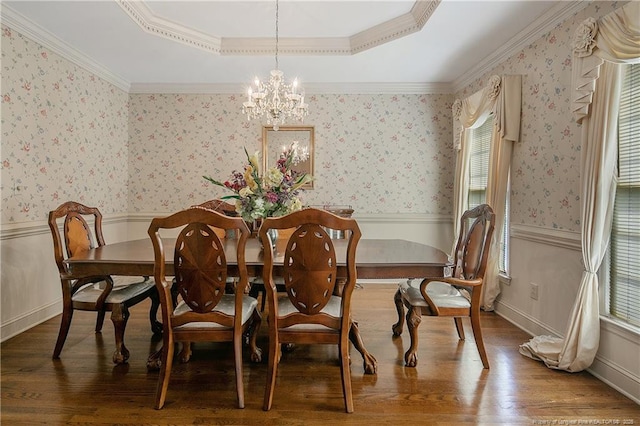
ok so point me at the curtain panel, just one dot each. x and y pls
(600, 47)
(502, 97)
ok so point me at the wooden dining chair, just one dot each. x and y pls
(95, 293)
(308, 312)
(206, 312)
(457, 296)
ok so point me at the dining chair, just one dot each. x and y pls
(205, 312)
(308, 312)
(227, 209)
(95, 293)
(457, 296)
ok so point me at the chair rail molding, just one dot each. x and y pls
(26, 229)
(553, 237)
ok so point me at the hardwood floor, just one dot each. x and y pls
(448, 387)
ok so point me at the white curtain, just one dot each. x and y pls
(506, 133)
(599, 48)
(502, 97)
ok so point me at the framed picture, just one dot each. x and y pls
(275, 142)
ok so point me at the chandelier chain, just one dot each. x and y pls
(277, 36)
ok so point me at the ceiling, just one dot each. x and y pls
(346, 46)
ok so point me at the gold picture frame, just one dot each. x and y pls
(275, 141)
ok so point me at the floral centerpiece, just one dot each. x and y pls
(274, 193)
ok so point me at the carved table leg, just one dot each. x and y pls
(397, 327)
(369, 361)
(413, 321)
(256, 352)
(119, 317)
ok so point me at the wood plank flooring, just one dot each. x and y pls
(448, 387)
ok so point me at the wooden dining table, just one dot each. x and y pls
(375, 259)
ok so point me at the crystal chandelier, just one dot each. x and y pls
(275, 99)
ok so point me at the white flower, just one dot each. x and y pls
(273, 177)
(253, 160)
(456, 109)
(245, 192)
(494, 86)
(296, 204)
(584, 39)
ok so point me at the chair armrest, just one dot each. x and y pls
(423, 290)
(456, 282)
(459, 282)
(81, 282)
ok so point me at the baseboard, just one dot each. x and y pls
(619, 378)
(525, 322)
(29, 320)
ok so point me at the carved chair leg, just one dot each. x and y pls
(459, 327)
(156, 326)
(185, 352)
(119, 317)
(65, 324)
(413, 321)
(477, 334)
(100, 320)
(397, 327)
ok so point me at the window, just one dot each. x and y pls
(478, 175)
(624, 271)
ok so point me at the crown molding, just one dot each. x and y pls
(395, 28)
(249, 46)
(377, 35)
(310, 88)
(156, 25)
(545, 23)
(33, 31)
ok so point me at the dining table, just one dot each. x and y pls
(375, 259)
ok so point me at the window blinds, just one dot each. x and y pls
(624, 285)
(479, 164)
(478, 177)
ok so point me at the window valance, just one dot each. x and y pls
(613, 38)
(502, 96)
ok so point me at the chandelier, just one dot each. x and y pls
(276, 100)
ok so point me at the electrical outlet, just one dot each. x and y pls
(533, 291)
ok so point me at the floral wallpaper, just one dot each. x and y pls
(377, 153)
(545, 175)
(64, 134)
(67, 134)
